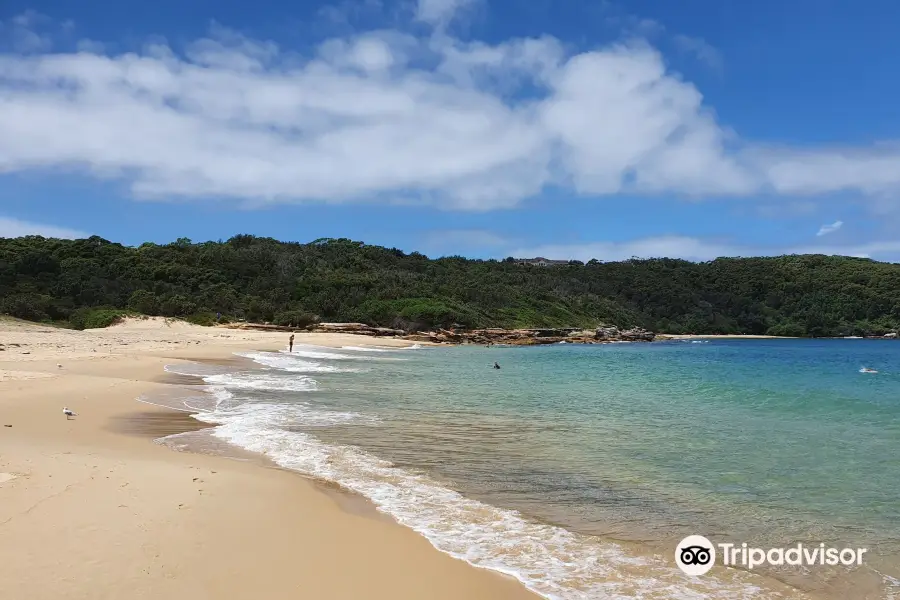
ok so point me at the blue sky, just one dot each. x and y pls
(475, 127)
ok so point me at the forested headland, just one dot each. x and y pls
(85, 283)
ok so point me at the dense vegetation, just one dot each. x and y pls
(89, 282)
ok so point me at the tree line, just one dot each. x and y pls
(87, 282)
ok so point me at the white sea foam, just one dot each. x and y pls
(367, 349)
(302, 353)
(322, 353)
(263, 381)
(273, 418)
(251, 380)
(287, 362)
(893, 585)
(413, 347)
(381, 348)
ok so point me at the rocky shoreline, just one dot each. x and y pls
(514, 337)
(534, 337)
(483, 337)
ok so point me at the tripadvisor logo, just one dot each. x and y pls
(696, 555)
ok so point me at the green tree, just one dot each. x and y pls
(345, 280)
(144, 302)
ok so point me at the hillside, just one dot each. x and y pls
(341, 280)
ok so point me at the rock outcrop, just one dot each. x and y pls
(357, 328)
(487, 337)
(528, 337)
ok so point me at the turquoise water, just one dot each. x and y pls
(579, 468)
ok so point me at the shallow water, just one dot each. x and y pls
(578, 468)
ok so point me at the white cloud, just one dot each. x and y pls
(440, 12)
(697, 249)
(826, 229)
(701, 49)
(20, 35)
(387, 116)
(90, 46)
(10, 228)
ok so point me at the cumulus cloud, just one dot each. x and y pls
(387, 116)
(697, 249)
(11, 228)
(826, 229)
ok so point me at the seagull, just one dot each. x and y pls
(59, 366)
(68, 412)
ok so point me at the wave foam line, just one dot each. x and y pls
(367, 348)
(382, 348)
(261, 381)
(252, 380)
(551, 561)
(286, 362)
(325, 353)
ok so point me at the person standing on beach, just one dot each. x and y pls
(291, 343)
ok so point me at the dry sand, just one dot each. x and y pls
(89, 510)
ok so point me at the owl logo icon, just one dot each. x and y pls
(695, 555)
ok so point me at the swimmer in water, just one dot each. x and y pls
(496, 366)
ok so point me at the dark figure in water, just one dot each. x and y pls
(496, 366)
(291, 343)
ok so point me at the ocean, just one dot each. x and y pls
(577, 469)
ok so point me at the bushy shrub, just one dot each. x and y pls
(144, 302)
(206, 319)
(32, 307)
(413, 314)
(97, 318)
(261, 310)
(295, 318)
(787, 329)
(177, 306)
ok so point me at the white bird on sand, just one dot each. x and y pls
(68, 412)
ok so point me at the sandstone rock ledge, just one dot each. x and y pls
(531, 337)
(355, 328)
(512, 337)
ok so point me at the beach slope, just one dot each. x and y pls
(91, 509)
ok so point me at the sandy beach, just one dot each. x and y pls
(91, 508)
